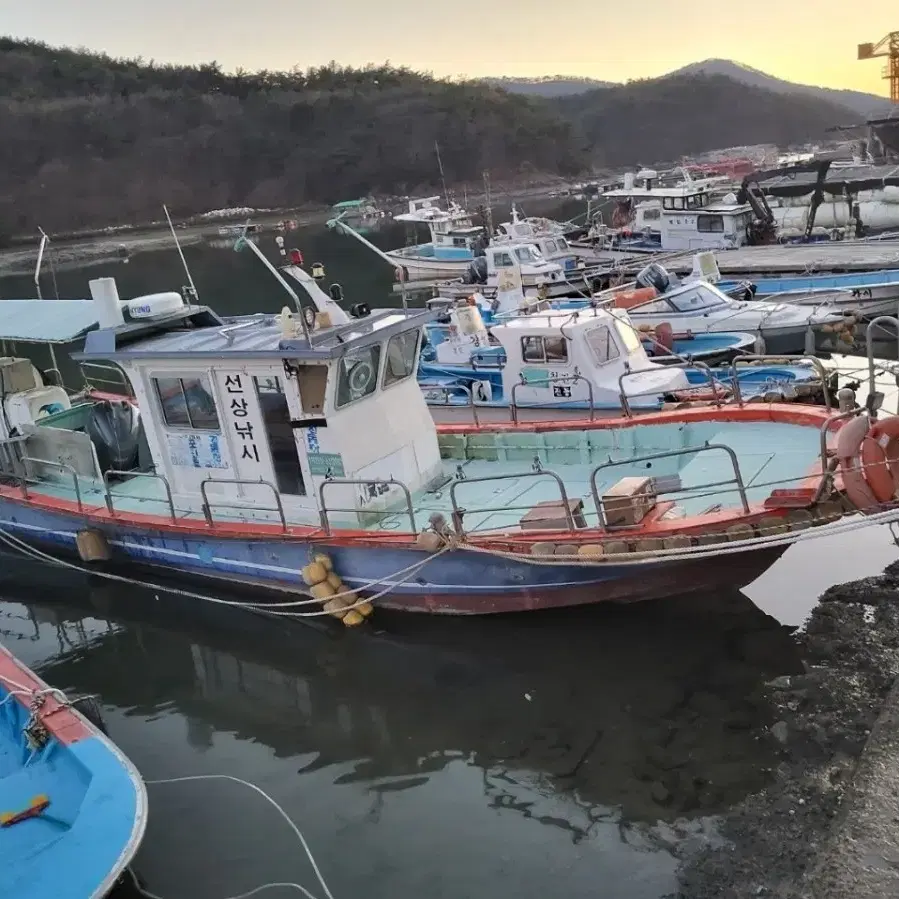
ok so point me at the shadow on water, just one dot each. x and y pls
(446, 755)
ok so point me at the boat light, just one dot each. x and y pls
(296, 257)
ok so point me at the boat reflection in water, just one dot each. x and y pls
(599, 723)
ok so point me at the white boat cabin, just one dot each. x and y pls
(452, 231)
(246, 418)
(519, 264)
(687, 216)
(567, 355)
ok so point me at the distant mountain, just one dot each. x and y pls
(861, 104)
(547, 86)
(667, 118)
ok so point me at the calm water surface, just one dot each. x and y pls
(539, 755)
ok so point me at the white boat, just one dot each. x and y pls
(699, 307)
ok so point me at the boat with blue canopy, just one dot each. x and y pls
(73, 808)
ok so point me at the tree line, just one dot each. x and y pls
(89, 140)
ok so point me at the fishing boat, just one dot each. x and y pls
(866, 293)
(551, 365)
(73, 809)
(699, 306)
(254, 452)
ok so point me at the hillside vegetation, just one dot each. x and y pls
(666, 118)
(89, 140)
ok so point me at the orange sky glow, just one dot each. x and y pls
(812, 43)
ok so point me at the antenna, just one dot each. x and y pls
(190, 280)
(488, 202)
(442, 176)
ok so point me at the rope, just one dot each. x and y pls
(404, 574)
(281, 812)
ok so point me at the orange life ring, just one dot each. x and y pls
(849, 444)
(880, 458)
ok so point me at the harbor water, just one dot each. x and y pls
(576, 753)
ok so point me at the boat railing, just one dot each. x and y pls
(735, 481)
(362, 482)
(459, 513)
(91, 381)
(57, 379)
(718, 396)
(748, 359)
(562, 380)
(829, 463)
(60, 466)
(207, 505)
(447, 392)
(12, 453)
(137, 474)
(869, 340)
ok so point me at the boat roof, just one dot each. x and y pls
(258, 337)
(553, 321)
(844, 178)
(46, 321)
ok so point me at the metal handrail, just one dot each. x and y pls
(9, 457)
(122, 379)
(59, 380)
(772, 359)
(62, 466)
(361, 482)
(513, 407)
(737, 478)
(625, 404)
(457, 512)
(446, 391)
(207, 506)
(228, 331)
(137, 474)
(881, 319)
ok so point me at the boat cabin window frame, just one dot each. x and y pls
(205, 382)
(710, 223)
(600, 346)
(539, 349)
(499, 258)
(343, 393)
(389, 379)
(710, 300)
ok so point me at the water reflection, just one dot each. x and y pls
(478, 736)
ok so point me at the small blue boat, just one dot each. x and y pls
(869, 293)
(73, 809)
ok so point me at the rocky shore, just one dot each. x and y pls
(827, 826)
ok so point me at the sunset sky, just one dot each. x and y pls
(809, 42)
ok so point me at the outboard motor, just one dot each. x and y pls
(477, 271)
(114, 429)
(653, 275)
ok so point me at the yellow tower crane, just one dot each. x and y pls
(888, 47)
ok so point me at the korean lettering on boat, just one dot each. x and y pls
(240, 411)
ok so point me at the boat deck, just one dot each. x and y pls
(503, 475)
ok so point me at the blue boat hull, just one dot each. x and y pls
(462, 581)
(80, 844)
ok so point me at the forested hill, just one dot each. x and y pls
(89, 140)
(666, 118)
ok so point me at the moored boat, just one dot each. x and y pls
(73, 808)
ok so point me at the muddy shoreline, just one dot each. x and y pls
(827, 825)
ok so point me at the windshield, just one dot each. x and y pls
(528, 254)
(701, 297)
(628, 335)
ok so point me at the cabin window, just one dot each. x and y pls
(654, 307)
(187, 403)
(562, 244)
(281, 441)
(545, 350)
(550, 246)
(401, 352)
(694, 201)
(667, 203)
(602, 344)
(710, 224)
(652, 214)
(460, 242)
(502, 260)
(527, 254)
(679, 203)
(357, 375)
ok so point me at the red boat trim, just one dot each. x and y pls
(808, 416)
(61, 721)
